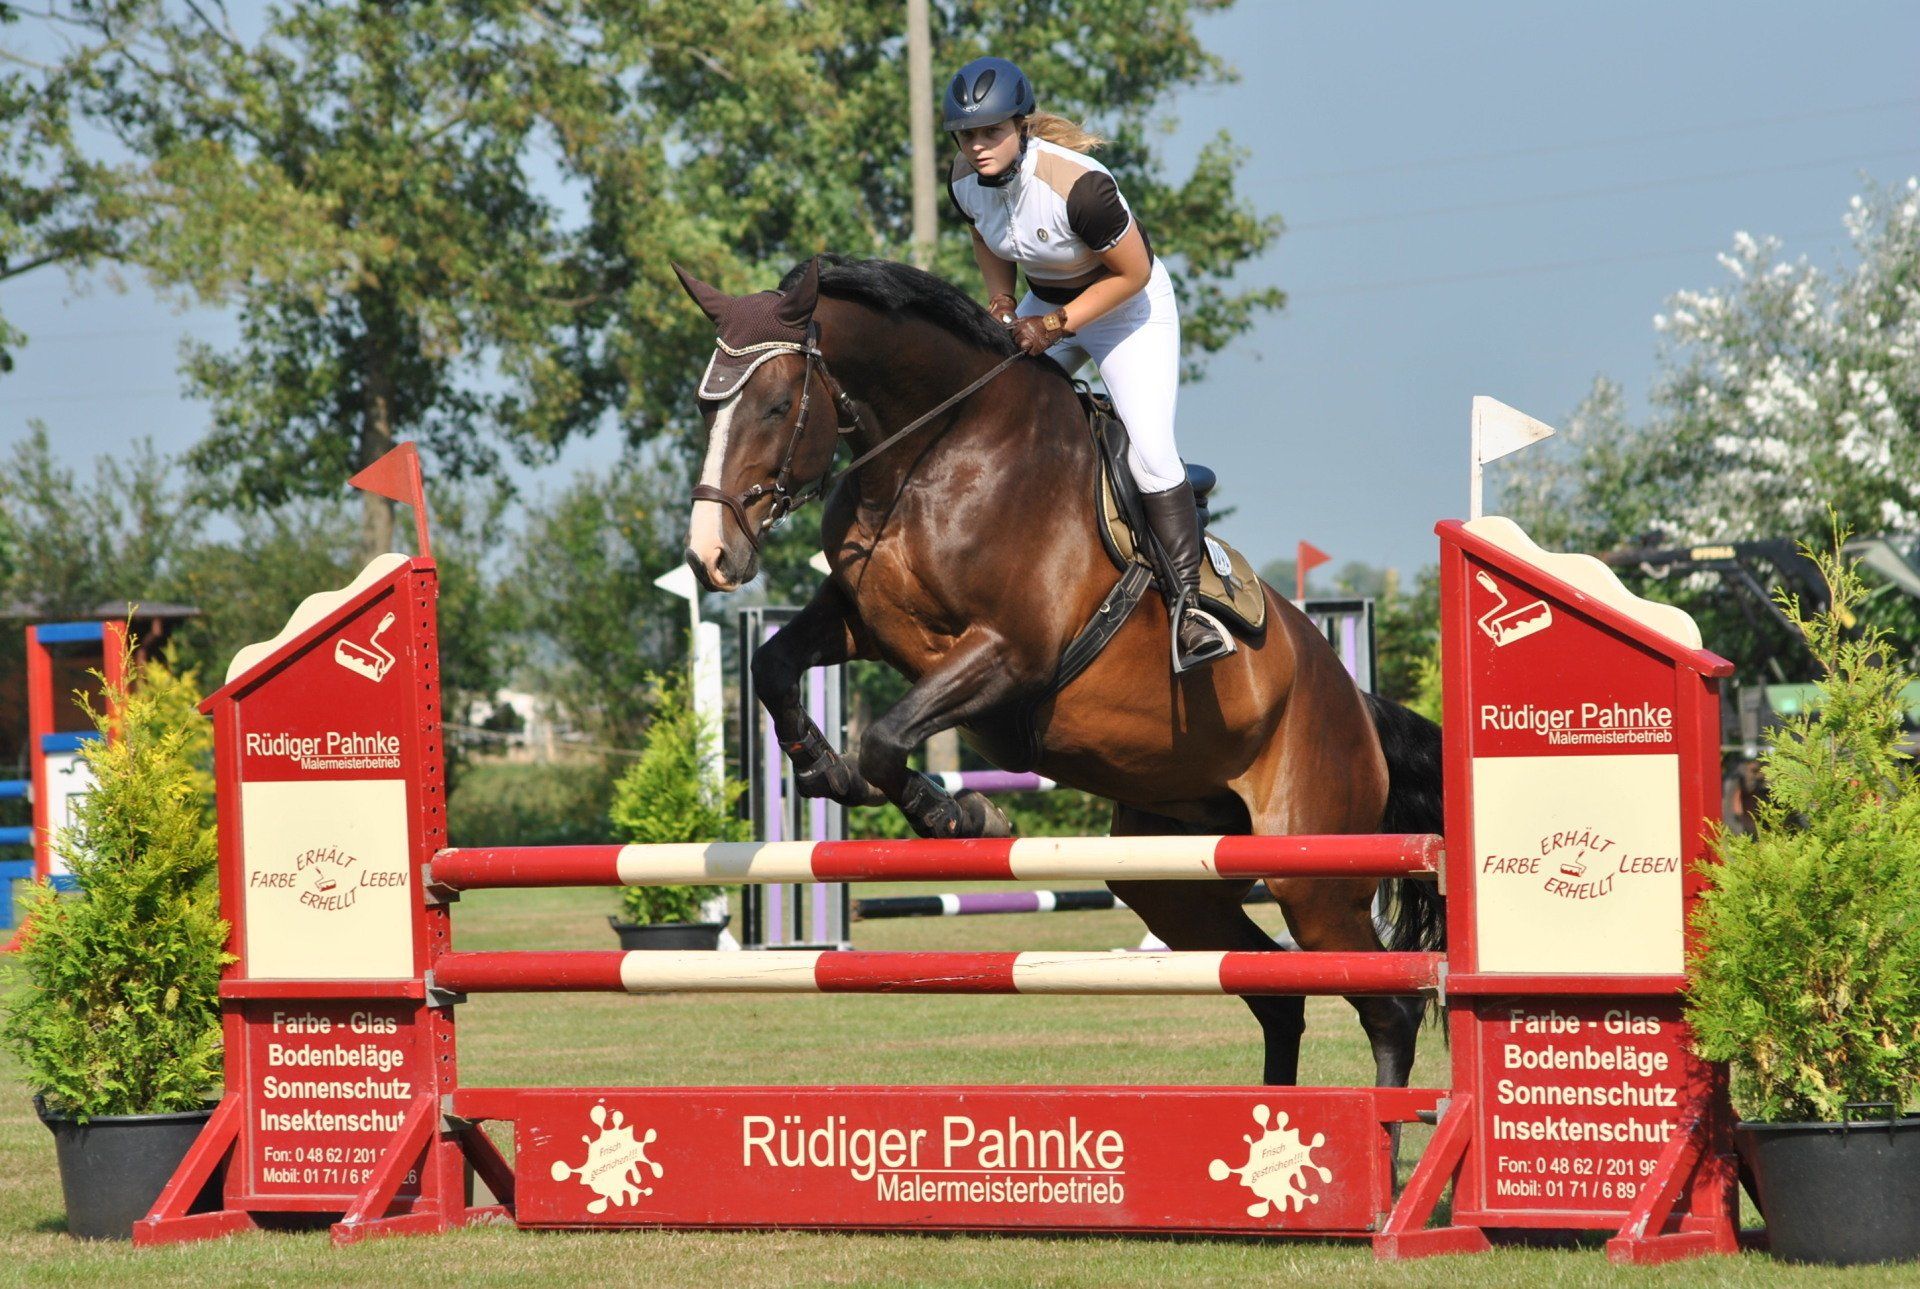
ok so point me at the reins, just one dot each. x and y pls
(832, 477)
(785, 500)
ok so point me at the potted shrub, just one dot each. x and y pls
(117, 1014)
(672, 794)
(1808, 979)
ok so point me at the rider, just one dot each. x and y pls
(1036, 201)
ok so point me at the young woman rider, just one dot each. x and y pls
(1036, 201)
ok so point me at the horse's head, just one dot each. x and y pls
(771, 423)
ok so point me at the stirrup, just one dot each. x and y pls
(1190, 662)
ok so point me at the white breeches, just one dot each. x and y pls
(1137, 349)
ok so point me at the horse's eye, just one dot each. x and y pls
(779, 409)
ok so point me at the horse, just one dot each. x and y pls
(964, 555)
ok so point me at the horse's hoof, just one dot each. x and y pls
(979, 817)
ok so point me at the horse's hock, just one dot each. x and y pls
(1582, 783)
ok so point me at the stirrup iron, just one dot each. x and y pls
(1193, 662)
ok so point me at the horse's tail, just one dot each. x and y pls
(1414, 915)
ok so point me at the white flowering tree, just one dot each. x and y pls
(1784, 393)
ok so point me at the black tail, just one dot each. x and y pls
(1415, 915)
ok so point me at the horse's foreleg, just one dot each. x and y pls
(972, 679)
(818, 636)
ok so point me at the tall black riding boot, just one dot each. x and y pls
(1198, 636)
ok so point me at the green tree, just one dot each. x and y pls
(357, 183)
(1280, 573)
(58, 207)
(454, 222)
(136, 533)
(669, 795)
(1808, 977)
(1784, 393)
(582, 582)
(119, 1010)
(1406, 628)
(81, 542)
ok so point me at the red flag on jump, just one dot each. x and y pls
(1307, 558)
(397, 476)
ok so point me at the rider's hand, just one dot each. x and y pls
(1037, 335)
(1003, 308)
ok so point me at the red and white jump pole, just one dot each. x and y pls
(1032, 859)
(856, 971)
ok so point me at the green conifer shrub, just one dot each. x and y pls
(1808, 976)
(668, 796)
(118, 1008)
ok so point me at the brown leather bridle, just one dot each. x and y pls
(780, 487)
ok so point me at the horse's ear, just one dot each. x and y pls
(796, 306)
(712, 302)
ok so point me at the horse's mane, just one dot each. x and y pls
(901, 288)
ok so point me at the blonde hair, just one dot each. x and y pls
(1064, 133)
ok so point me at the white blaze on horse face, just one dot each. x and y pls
(706, 530)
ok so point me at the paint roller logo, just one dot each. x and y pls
(370, 659)
(1503, 625)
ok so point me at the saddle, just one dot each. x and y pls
(1229, 587)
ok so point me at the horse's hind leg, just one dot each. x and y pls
(1336, 916)
(817, 636)
(1209, 916)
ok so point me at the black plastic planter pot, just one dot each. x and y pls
(667, 935)
(113, 1166)
(1837, 1193)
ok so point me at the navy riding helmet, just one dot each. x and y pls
(985, 92)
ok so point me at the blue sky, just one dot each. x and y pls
(1481, 199)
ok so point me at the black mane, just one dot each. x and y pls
(901, 288)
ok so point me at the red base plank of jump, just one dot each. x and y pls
(1263, 1161)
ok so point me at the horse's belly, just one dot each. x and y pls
(1005, 741)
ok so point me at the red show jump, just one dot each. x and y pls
(1582, 786)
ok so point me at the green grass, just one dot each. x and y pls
(595, 1039)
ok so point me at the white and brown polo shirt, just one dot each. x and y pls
(1052, 215)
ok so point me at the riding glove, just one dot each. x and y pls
(1038, 334)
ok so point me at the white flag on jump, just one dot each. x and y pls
(1498, 430)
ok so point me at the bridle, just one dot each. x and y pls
(785, 499)
(780, 487)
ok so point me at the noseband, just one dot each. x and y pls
(780, 488)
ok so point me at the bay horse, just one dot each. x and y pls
(965, 557)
